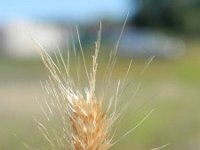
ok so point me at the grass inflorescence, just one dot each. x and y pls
(85, 118)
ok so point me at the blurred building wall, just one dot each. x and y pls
(15, 38)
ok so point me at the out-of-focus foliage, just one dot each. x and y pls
(175, 15)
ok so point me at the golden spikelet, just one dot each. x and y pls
(84, 122)
(89, 126)
(85, 119)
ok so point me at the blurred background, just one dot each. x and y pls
(166, 29)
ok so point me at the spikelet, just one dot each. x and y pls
(85, 118)
(85, 121)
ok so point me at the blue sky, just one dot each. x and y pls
(75, 10)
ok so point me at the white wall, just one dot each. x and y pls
(17, 41)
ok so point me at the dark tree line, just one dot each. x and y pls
(176, 15)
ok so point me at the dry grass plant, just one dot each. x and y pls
(85, 119)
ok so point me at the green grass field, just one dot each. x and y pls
(171, 87)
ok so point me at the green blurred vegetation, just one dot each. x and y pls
(173, 15)
(171, 87)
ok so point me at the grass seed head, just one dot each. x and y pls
(85, 122)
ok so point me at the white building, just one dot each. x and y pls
(15, 38)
